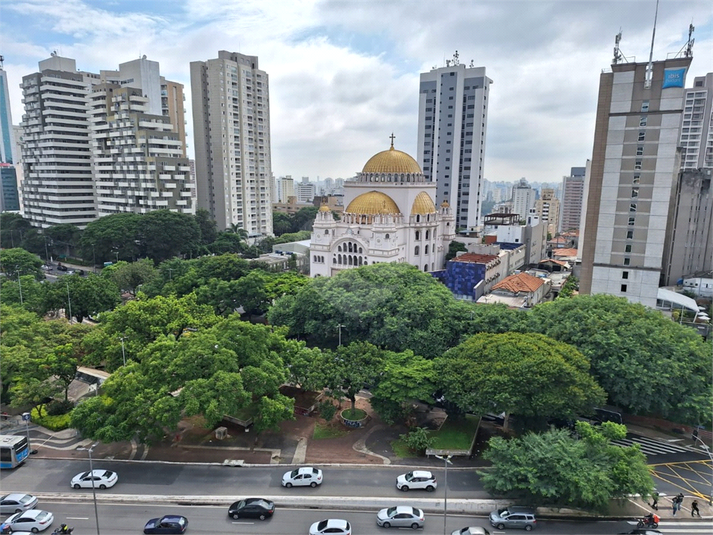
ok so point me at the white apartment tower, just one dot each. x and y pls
(305, 190)
(635, 166)
(572, 195)
(231, 122)
(523, 199)
(56, 153)
(697, 127)
(452, 121)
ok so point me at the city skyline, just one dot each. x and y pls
(344, 76)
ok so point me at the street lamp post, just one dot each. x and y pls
(123, 353)
(94, 492)
(69, 302)
(446, 461)
(339, 327)
(19, 283)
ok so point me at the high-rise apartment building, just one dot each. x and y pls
(305, 190)
(57, 184)
(231, 122)
(6, 135)
(547, 207)
(572, 195)
(452, 121)
(634, 168)
(523, 199)
(697, 127)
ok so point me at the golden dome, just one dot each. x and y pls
(391, 161)
(423, 204)
(373, 202)
(324, 208)
(445, 204)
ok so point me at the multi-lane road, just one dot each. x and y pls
(202, 493)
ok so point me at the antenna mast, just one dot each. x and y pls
(650, 66)
(618, 57)
(687, 50)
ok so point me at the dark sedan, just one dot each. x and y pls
(167, 524)
(252, 508)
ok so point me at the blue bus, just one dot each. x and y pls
(13, 450)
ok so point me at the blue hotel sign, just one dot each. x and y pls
(674, 77)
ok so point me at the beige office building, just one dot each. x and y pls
(231, 125)
(635, 163)
(547, 207)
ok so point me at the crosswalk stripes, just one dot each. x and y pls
(652, 446)
(686, 528)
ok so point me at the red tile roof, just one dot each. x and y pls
(564, 252)
(520, 282)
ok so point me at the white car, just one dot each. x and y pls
(302, 477)
(16, 503)
(418, 479)
(34, 520)
(402, 516)
(473, 530)
(101, 479)
(334, 526)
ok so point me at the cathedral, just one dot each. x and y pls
(390, 216)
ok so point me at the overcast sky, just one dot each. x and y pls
(344, 73)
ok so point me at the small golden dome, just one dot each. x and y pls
(391, 161)
(324, 208)
(423, 204)
(445, 204)
(373, 202)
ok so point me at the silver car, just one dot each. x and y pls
(472, 530)
(514, 517)
(402, 516)
(17, 503)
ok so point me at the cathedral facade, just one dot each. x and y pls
(390, 216)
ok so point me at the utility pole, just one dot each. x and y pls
(123, 353)
(340, 333)
(446, 461)
(69, 301)
(94, 492)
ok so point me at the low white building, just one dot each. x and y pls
(390, 216)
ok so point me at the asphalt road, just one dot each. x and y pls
(46, 475)
(125, 519)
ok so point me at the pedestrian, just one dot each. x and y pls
(674, 504)
(655, 499)
(694, 509)
(679, 501)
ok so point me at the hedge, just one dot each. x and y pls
(53, 423)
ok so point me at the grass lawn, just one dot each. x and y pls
(455, 434)
(326, 430)
(401, 450)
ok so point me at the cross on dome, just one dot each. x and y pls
(392, 137)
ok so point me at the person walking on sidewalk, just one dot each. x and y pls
(694, 509)
(655, 500)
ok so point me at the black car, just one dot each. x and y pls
(167, 524)
(252, 508)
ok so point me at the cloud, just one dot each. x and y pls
(344, 74)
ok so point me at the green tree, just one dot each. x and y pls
(405, 377)
(569, 287)
(62, 239)
(12, 229)
(17, 262)
(62, 364)
(129, 276)
(281, 223)
(525, 374)
(554, 468)
(207, 225)
(304, 218)
(32, 290)
(621, 339)
(110, 237)
(393, 306)
(454, 248)
(163, 234)
(251, 292)
(85, 296)
(348, 368)
(228, 242)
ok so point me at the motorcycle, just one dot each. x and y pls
(647, 523)
(60, 531)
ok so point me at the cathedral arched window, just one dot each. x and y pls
(416, 250)
(418, 234)
(334, 260)
(360, 251)
(425, 268)
(326, 232)
(418, 219)
(428, 234)
(339, 248)
(386, 237)
(361, 260)
(425, 250)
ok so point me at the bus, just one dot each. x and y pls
(13, 450)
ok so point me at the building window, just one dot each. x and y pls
(623, 288)
(634, 192)
(629, 234)
(632, 220)
(425, 249)
(640, 150)
(632, 207)
(644, 106)
(637, 165)
(627, 261)
(416, 250)
(428, 233)
(624, 274)
(418, 235)
(627, 248)
(642, 120)
(642, 135)
(637, 178)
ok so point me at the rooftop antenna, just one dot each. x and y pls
(650, 65)
(687, 50)
(472, 64)
(618, 56)
(2, 61)
(455, 59)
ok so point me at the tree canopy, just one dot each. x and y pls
(17, 262)
(525, 374)
(555, 468)
(646, 363)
